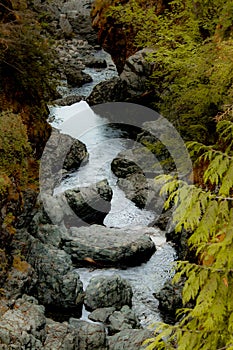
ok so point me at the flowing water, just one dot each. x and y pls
(103, 144)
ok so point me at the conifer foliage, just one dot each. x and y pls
(205, 210)
(192, 48)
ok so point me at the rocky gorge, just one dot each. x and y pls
(68, 233)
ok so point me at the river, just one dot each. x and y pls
(103, 144)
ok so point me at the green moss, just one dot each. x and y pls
(14, 147)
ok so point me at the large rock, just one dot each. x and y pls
(102, 246)
(62, 152)
(136, 72)
(58, 285)
(116, 320)
(129, 86)
(20, 279)
(78, 207)
(130, 339)
(90, 336)
(67, 101)
(102, 314)
(111, 90)
(76, 78)
(136, 170)
(92, 203)
(123, 319)
(170, 300)
(49, 234)
(59, 336)
(122, 166)
(23, 326)
(106, 291)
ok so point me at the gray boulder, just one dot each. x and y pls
(95, 62)
(111, 90)
(76, 78)
(121, 166)
(68, 100)
(59, 336)
(145, 193)
(102, 246)
(21, 278)
(114, 320)
(125, 318)
(50, 234)
(58, 285)
(140, 159)
(130, 86)
(129, 339)
(136, 170)
(89, 336)
(137, 71)
(90, 204)
(23, 326)
(101, 314)
(170, 300)
(106, 291)
(77, 207)
(62, 152)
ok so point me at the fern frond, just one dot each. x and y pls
(227, 181)
(216, 169)
(225, 130)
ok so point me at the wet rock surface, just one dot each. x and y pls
(77, 78)
(91, 203)
(62, 153)
(111, 90)
(108, 291)
(136, 170)
(78, 207)
(102, 246)
(130, 86)
(170, 300)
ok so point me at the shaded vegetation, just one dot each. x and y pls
(192, 45)
(28, 81)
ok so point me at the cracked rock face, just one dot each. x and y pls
(58, 285)
(23, 326)
(106, 291)
(102, 246)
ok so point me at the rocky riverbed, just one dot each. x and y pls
(94, 258)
